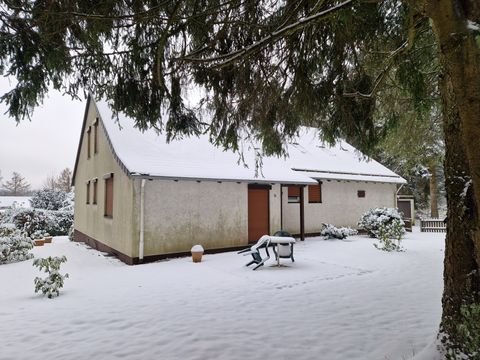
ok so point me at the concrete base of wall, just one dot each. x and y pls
(97, 245)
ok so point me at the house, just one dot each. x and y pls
(142, 199)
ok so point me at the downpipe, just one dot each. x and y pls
(141, 243)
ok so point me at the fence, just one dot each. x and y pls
(433, 225)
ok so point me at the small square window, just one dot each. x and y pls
(361, 193)
(294, 194)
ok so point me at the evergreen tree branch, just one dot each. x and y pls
(227, 59)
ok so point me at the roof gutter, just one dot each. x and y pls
(250, 181)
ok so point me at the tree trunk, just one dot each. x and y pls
(460, 90)
(433, 192)
(460, 265)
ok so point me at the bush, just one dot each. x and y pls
(390, 236)
(48, 199)
(331, 232)
(14, 246)
(468, 333)
(377, 218)
(37, 222)
(52, 284)
(60, 222)
(31, 222)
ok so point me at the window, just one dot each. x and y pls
(108, 195)
(361, 193)
(95, 182)
(315, 193)
(294, 194)
(95, 136)
(88, 142)
(88, 193)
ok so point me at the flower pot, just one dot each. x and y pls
(47, 239)
(197, 252)
(197, 257)
(39, 242)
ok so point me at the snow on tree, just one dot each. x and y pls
(48, 199)
(17, 185)
(52, 284)
(14, 245)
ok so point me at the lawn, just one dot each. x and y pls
(339, 300)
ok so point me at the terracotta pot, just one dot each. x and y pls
(47, 239)
(39, 242)
(197, 257)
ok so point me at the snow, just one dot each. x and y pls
(338, 300)
(197, 248)
(17, 201)
(148, 153)
(473, 25)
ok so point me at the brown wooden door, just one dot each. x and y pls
(258, 214)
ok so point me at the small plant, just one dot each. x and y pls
(51, 285)
(390, 236)
(14, 246)
(329, 231)
(468, 333)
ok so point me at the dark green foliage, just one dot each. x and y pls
(263, 70)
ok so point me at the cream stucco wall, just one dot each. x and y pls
(275, 210)
(180, 214)
(118, 231)
(340, 205)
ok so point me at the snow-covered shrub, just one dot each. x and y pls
(7, 229)
(68, 203)
(59, 222)
(52, 284)
(38, 222)
(375, 218)
(15, 246)
(48, 199)
(32, 222)
(329, 231)
(390, 236)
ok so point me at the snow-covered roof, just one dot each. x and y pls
(148, 153)
(311, 157)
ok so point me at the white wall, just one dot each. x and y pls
(340, 205)
(180, 214)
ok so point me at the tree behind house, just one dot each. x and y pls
(64, 180)
(17, 185)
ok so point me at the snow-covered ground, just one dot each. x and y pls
(339, 300)
(18, 201)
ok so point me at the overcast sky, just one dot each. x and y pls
(43, 146)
